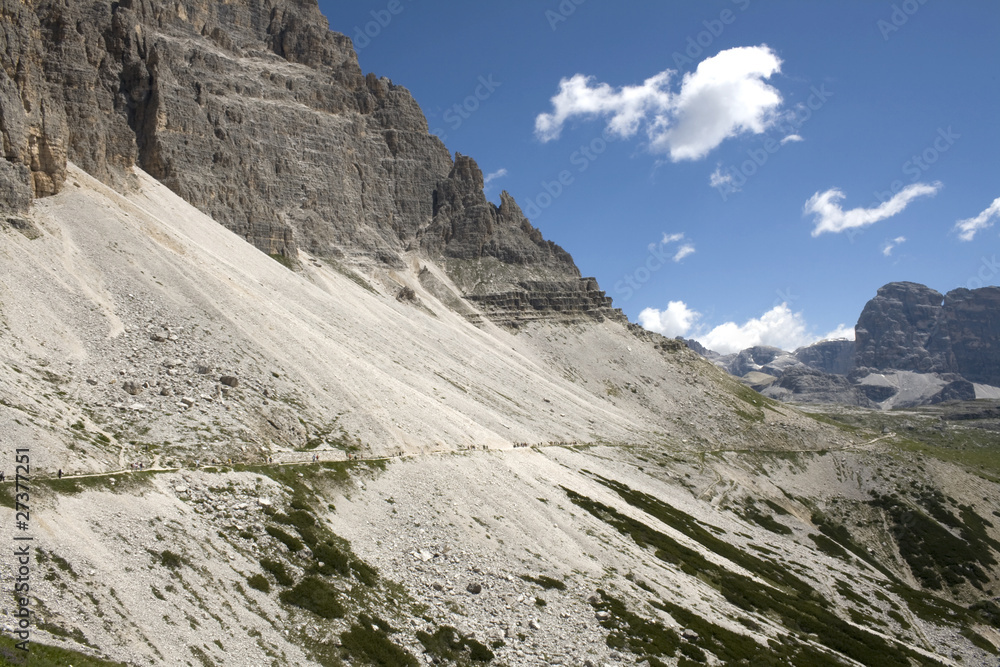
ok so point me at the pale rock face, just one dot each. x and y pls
(258, 115)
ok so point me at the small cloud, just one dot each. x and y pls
(724, 97)
(499, 173)
(892, 245)
(967, 229)
(681, 252)
(842, 332)
(720, 178)
(684, 251)
(675, 321)
(830, 217)
(790, 138)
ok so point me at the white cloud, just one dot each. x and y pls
(892, 245)
(684, 251)
(499, 173)
(842, 331)
(681, 252)
(791, 137)
(779, 327)
(675, 321)
(830, 217)
(718, 178)
(967, 228)
(627, 106)
(725, 96)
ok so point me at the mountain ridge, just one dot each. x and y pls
(347, 171)
(936, 347)
(420, 433)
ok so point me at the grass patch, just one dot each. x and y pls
(789, 599)
(293, 543)
(316, 595)
(751, 513)
(284, 260)
(278, 571)
(170, 559)
(548, 583)
(936, 556)
(41, 655)
(260, 583)
(368, 641)
(449, 644)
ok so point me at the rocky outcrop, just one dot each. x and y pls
(895, 327)
(914, 328)
(261, 117)
(566, 300)
(829, 356)
(807, 385)
(967, 334)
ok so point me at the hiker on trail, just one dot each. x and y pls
(60, 473)
(1, 475)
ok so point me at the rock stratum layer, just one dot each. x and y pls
(261, 117)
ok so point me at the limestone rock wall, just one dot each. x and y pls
(255, 112)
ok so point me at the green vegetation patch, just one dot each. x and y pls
(750, 512)
(838, 535)
(733, 648)
(293, 543)
(170, 559)
(316, 595)
(789, 599)
(41, 655)
(449, 644)
(647, 639)
(927, 541)
(548, 583)
(368, 641)
(278, 571)
(259, 582)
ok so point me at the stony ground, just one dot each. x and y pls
(456, 458)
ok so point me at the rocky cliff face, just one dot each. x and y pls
(967, 334)
(829, 356)
(914, 328)
(894, 328)
(260, 116)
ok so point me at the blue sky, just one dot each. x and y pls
(792, 156)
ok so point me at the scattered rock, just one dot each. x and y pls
(229, 380)
(474, 588)
(132, 388)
